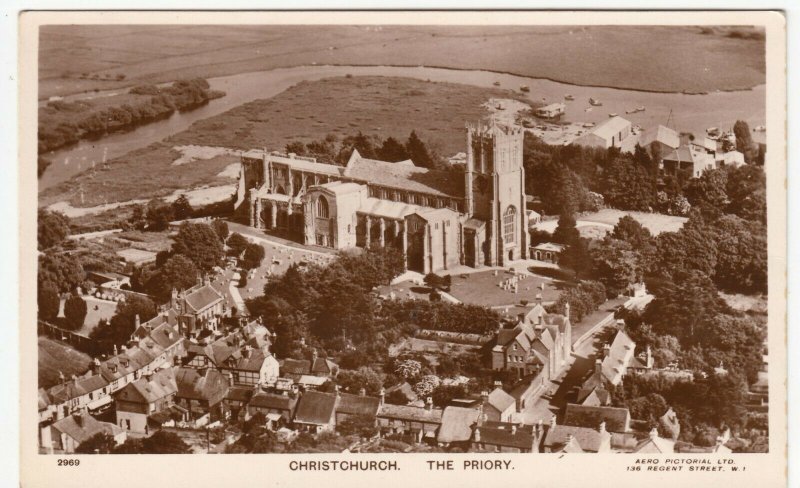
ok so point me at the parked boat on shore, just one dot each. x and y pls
(569, 97)
(595, 102)
(524, 88)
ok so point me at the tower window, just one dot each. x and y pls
(321, 208)
(510, 225)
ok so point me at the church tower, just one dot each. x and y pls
(495, 193)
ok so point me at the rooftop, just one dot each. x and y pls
(315, 407)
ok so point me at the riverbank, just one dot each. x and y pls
(600, 56)
(310, 110)
(62, 123)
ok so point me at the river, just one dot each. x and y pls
(689, 113)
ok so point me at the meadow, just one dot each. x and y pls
(692, 59)
(341, 106)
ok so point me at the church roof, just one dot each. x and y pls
(403, 176)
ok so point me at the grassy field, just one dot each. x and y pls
(54, 357)
(656, 58)
(308, 111)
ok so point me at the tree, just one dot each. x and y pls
(221, 228)
(437, 282)
(616, 265)
(181, 208)
(567, 231)
(75, 310)
(741, 255)
(63, 270)
(162, 442)
(48, 301)
(119, 329)
(627, 185)
(418, 152)
(631, 231)
(746, 189)
(100, 443)
(178, 273)
(409, 369)
(744, 139)
(426, 385)
(200, 243)
(53, 228)
(158, 215)
(253, 256)
(237, 243)
(708, 192)
(392, 150)
(364, 377)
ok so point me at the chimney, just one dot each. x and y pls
(313, 356)
(477, 434)
(382, 394)
(174, 300)
(538, 299)
(602, 427)
(598, 366)
(606, 350)
(648, 358)
(513, 429)
(570, 438)
(78, 416)
(553, 422)
(230, 380)
(362, 391)
(429, 403)
(136, 322)
(148, 377)
(654, 433)
(566, 310)
(61, 378)
(498, 384)
(539, 428)
(485, 395)
(96, 366)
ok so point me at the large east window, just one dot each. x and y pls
(322, 207)
(510, 225)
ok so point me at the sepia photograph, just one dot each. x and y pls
(433, 237)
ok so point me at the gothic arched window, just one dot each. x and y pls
(321, 208)
(510, 225)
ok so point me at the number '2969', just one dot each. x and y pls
(69, 462)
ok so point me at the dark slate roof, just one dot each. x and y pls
(404, 176)
(357, 405)
(315, 407)
(161, 384)
(295, 366)
(521, 438)
(202, 297)
(323, 365)
(273, 401)
(212, 386)
(616, 419)
(239, 393)
(165, 336)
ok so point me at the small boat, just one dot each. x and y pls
(760, 128)
(524, 88)
(499, 106)
(595, 102)
(568, 97)
(612, 114)
(635, 110)
(528, 124)
(496, 83)
(588, 109)
(640, 108)
(588, 125)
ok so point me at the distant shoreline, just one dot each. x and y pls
(499, 72)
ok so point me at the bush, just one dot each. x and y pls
(75, 311)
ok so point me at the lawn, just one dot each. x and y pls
(597, 224)
(307, 111)
(55, 357)
(674, 59)
(96, 310)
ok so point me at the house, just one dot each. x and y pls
(669, 422)
(539, 342)
(419, 422)
(68, 433)
(498, 405)
(236, 400)
(654, 444)
(593, 391)
(659, 140)
(609, 133)
(704, 143)
(317, 366)
(551, 111)
(507, 437)
(161, 331)
(527, 390)
(457, 425)
(614, 419)
(566, 438)
(277, 408)
(197, 309)
(618, 357)
(642, 362)
(316, 412)
(90, 392)
(549, 252)
(691, 158)
(137, 401)
(252, 368)
(350, 406)
(201, 393)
